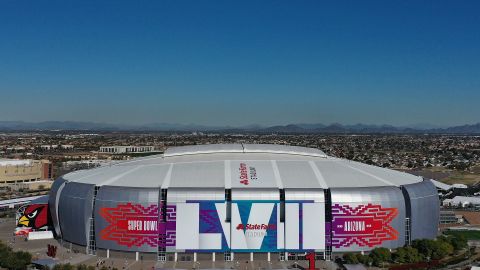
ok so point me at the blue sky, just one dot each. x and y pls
(238, 63)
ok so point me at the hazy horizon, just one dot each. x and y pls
(251, 125)
(234, 64)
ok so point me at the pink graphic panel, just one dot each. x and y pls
(132, 224)
(364, 225)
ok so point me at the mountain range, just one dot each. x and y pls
(10, 126)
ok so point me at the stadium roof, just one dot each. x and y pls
(441, 185)
(227, 165)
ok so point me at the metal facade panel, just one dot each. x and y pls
(203, 149)
(304, 219)
(74, 211)
(105, 174)
(181, 195)
(187, 226)
(127, 218)
(198, 174)
(297, 174)
(283, 149)
(397, 178)
(365, 218)
(313, 226)
(252, 174)
(425, 210)
(53, 199)
(145, 176)
(315, 195)
(292, 226)
(338, 175)
(264, 194)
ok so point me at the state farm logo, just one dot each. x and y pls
(256, 226)
(247, 174)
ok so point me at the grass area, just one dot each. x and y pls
(452, 176)
(470, 235)
(461, 177)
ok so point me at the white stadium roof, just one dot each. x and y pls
(224, 165)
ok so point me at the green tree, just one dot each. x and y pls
(441, 249)
(407, 255)
(350, 258)
(424, 247)
(380, 256)
(13, 260)
(400, 255)
(457, 241)
(64, 267)
(364, 259)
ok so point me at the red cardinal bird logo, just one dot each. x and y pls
(35, 216)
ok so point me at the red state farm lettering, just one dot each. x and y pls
(257, 227)
(247, 174)
(243, 174)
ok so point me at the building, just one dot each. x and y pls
(255, 202)
(460, 186)
(14, 172)
(449, 217)
(462, 201)
(126, 149)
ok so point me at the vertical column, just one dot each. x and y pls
(408, 215)
(328, 225)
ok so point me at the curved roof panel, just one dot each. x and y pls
(242, 166)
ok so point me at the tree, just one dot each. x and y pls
(407, 255)
(380, 256)
(400, 255)
(424, 247)
(13, 260)
(350, 258)
(457, 241)
(364, 259)
(441, 249)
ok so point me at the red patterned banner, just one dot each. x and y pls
(131, 225)
(364, 225)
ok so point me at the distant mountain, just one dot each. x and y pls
(56, 125)
(285, 129)
(465, 129)
(334, 128)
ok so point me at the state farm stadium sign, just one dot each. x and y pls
(247, 174)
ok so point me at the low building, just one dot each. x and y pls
(126, 149)
(459, 186)
(449, 217)
(36, 185)
(462, 201)
(13, 171)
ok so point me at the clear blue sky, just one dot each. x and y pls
(237, 63)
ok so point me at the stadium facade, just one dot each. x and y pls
(242, 198)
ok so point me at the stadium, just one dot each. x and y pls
(238, 200)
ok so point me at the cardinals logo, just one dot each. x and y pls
(35, 216)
